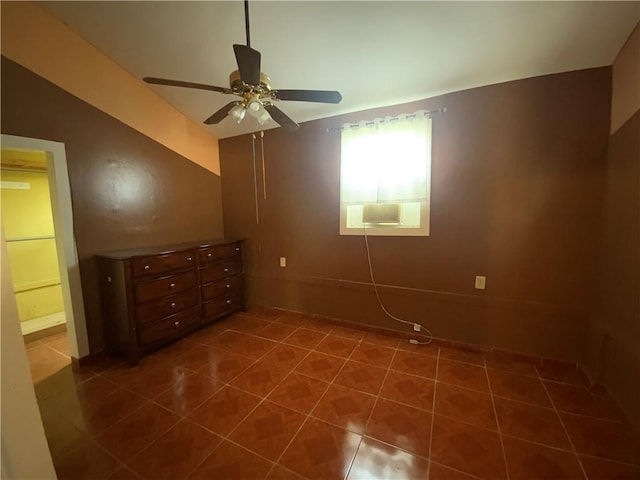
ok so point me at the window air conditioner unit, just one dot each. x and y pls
(381, 214)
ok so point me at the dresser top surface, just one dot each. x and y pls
(161, 249)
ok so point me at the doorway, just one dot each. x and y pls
(30, 235)
(43, 257)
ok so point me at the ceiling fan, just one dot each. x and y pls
(254, 89)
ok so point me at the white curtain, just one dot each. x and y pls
(387, 162)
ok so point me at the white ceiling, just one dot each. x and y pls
(374, 53)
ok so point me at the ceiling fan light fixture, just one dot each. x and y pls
(256, 110)
(264, 117)
(255, 107)
(238, 112)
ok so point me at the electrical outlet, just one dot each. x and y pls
(481, 282)
(416, 327)
(283, 262)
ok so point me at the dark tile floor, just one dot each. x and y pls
(277, 395)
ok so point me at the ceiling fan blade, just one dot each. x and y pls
(280, 117)
(179, 83)
(220, 114)
(248, 64)
(320, 96)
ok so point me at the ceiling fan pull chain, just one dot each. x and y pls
(246, 22)
(264, 174)
(255, 178)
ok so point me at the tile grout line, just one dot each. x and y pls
(262, 400)
(560, 449)
(223, 385)
(187, 419)
(636, 465)
(182, 417)
(256, 361)
(190, 373)
(466, 474)
(544, 381)
(566, 432)
(126, 464)
(500, 370)
(128, 469)
(95, 444)
(264, 397)
(373, 408)
(363, 434)
(402, 449)
(433, 414)
(610, 420)
(495, 413)
(384, 378)
(359, 342)
(308, 415)
(49, 347)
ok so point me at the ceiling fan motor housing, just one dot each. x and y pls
(237, 84)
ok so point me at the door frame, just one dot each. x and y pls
(62, 210)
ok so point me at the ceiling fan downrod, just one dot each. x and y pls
(246, 22)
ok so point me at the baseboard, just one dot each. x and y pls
(533, 329)
(265, 310)
(47, 332)
(42, 323)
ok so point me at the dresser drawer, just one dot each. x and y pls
(168, 327)
(162, 263)
(226, 286)
(221, 269)
(206, 255)
(221, 305)
(148, 290)
(155, 309)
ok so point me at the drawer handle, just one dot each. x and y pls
(228, 286)
(176, 324)
(237, 249)
(226, 269)
(173, 304)
(189, 259)
(146, 267)
(228, 301)
(172, 285)
(208, 254)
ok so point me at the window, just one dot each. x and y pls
(385, 177)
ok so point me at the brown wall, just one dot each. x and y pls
(612, 347)
(127, 190)
(516, 191)
(55, 52)
(625, 88)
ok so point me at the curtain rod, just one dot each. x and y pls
(387, 119)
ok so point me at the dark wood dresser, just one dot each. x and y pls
(153, 295)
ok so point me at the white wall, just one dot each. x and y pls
(25, 453)
(62, 210)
